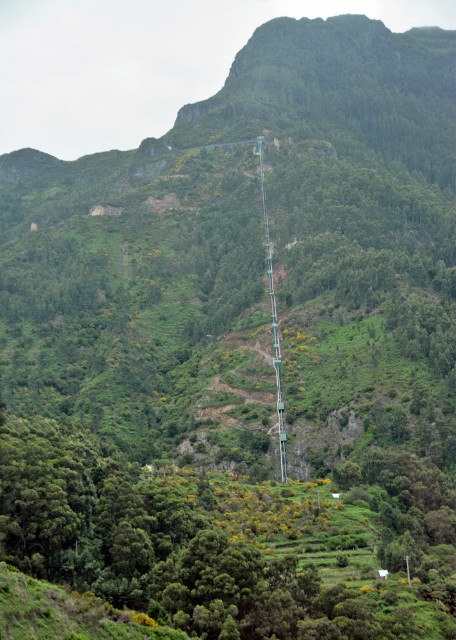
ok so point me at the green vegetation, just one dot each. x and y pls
(138, 451)
(38, 610)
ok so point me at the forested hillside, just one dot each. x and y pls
(136, 353)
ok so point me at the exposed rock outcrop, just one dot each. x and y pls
(151, 159)
(190, 112)
(149, 170)
(105, 210)
(167, 203)
(323, 148)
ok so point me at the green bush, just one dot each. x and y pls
(342, 560)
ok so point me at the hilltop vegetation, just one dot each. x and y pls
(134, 330)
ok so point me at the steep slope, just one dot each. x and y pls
(115, 266)
(347, 75)
(36, 609)
(134, 328)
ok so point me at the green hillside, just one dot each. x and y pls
(34, 609)
(140, 454)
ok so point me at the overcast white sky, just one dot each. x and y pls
(81, 76)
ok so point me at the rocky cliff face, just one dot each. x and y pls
(151, 147)
(331, 53)
(348, 70)
(190, 112)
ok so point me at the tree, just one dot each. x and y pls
(182, 620)
(229, 630)
(308, 586)
(210, 619)
(398, 424)
(276, 613)
(131, 551)
(175, 519)
(281, 572)
(392, 555)
(175, 596)
(441, 526)
(319, 629)
(206, 500)
(347, 474)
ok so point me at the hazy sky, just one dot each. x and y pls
(81, 76)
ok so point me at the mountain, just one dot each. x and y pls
(391, 92)
(135, 330)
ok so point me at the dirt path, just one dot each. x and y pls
(260, 397)
(275, 427)
(215, 383)
(230, 338)
(267, 356)
(219, 413)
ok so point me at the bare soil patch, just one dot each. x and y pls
(165, 204)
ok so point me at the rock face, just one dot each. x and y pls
(311, 70)
(341, 429)
(323, 148)
(27, 163)
(149, 170)
(151, 147)
(151, 159)
(344, 431)
(190, 112)
(309, 43)
(167, 203)
(105, 210)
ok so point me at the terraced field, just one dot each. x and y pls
(301, 519)
(344, 548)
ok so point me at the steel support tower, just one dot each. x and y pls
(260, 145)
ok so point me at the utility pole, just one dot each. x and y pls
(408, 571)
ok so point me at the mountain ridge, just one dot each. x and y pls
(136, 344)
(373, 34)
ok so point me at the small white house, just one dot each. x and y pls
(382, 574)
(336, 495)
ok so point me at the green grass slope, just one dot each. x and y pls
(36, 610)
